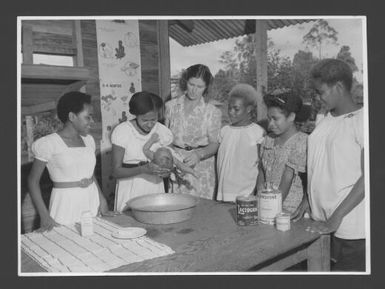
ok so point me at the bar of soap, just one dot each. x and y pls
(129, 233)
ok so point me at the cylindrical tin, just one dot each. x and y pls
(247, 210)
(269, 205)
(282, 222)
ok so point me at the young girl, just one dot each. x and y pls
(283, 151)
(69, 156)
(237, 161)
(336, 178)
(135, 175)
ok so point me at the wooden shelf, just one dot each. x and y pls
(39, 73)
(33, 109)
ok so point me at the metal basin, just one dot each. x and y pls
(163, 208)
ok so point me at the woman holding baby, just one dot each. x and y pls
(136, 176)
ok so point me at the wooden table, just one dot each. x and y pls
(212, 242)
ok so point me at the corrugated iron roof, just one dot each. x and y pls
(208, 30)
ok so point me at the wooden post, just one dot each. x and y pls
(260, 52)
(164, 59)
(78, 44)
(27, 44)
(29, 126)
(318, 255)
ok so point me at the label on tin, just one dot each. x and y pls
(282, 222)
(269, 206)
(247, 210)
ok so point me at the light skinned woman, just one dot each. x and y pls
(195, 124)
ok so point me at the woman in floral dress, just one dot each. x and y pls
(195, 125)
(283, 151)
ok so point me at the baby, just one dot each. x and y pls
(165, 157)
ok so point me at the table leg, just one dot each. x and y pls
(318, 254)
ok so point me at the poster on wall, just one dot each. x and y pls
(120, 78)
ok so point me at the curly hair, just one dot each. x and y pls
(72, 101)
(330, 71)
(198, 71)
(246, 92)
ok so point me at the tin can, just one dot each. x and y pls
(247, 210)
(282, 222)
(269, 205)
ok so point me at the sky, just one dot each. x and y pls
(288, 40)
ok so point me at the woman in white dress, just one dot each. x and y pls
(237, 160)
(69, 156)
(136, 176)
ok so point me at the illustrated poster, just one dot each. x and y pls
(120, 78)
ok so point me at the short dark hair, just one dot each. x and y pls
(197, 71)
(288, 102)
(72, 101)
(330, 71)
(143, 102)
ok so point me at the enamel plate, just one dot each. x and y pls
(129, 233)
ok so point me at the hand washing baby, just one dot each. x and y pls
(166, 157)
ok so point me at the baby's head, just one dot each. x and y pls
(163, 158)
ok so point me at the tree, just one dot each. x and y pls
(345, 55)
(302, 64)
(240, 66)
(279, 71)
(223, 82)
(228, 58)
(244, 49)
(320, 33)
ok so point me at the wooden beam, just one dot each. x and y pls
(319, 255)
(58, 27)
(39, 93)
(286, 262)
(78, 44)
(27, 44)
(260, 52)
(29, 110)
(54, 72)
(50, 43)
(164, 59)
(29, 128)
(76, 86)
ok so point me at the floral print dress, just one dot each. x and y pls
(196, 129)
(274, 159)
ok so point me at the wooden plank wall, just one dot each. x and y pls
(149, 55)
(54, 36)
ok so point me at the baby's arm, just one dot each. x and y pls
(146, 148)
(178, 162)
(184, 168)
